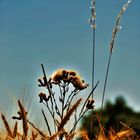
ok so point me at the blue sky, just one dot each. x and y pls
(57, 34)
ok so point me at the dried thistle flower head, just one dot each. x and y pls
(72, 73)
(68, 76)
(79, 83)
(58, 75)
(43, 97)
(42, 82)
(90, 103)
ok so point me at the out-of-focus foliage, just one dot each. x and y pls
(112, 115)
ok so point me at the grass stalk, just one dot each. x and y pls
(93, 25)
(105, 82)
(114, 33)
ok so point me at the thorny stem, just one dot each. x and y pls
(47, 86)
(88, 98)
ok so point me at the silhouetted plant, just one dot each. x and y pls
(62, 110)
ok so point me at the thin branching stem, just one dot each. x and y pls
(56, 106)
(63, 101)
(60, 90)
(46, 121)
(75, 117)
(48, 87)
(78, 119)
(50, 112)
(37, 129)
(88, 98)
(71, 99)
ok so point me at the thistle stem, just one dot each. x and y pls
(46, 122)
(88, 98)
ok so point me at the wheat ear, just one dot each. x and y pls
(8, 129)
(24, 120)
(69, 113)
(15, 129)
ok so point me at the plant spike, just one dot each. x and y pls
(115, 30)
(92, 21)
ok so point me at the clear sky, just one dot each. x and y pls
(57, 34)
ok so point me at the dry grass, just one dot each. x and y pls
(15, 129)
(16, 134)
(7, 127)
(24, 120)
(65, 112)
(68, 115)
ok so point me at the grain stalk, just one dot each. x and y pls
(114, 33)
(24, 120)
(15, 129)
(92, 21)
(7, 127)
